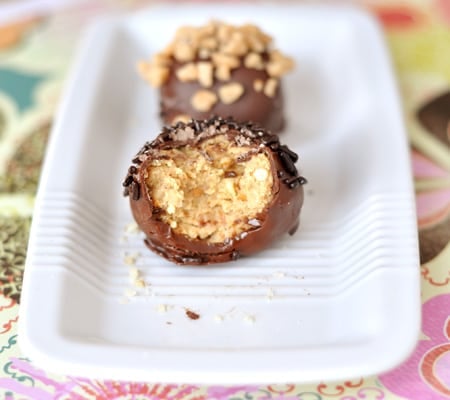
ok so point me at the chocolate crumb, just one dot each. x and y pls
(192, 315)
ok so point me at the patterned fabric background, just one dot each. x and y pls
(35, 54)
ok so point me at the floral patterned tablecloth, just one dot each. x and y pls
(35, 54)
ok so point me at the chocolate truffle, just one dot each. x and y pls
(220, 69)
(212, 191)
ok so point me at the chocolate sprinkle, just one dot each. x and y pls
(287, 163)
(135, 191)
(302, 180)
(293, 183)
(128, 180)
(289, 152)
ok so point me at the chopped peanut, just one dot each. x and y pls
(203, 100)
(188, 72)
(156, 75)
(184, 52)
(214, 51)
(236, 46)
(254, 60)
(279, 64)
(209, 43)
(225, 60)
(223, 73)
(205, 73)
(231, 92)
(258, 85)
(270, 87)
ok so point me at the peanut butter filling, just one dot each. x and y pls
(213, 191)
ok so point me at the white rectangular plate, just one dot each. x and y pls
(339, 299)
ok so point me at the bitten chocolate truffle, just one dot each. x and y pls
(220, 69)
(212, 191)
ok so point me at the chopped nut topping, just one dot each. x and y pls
(230, 92)
(220, 59)
(256, 44)
(203, 100)
(205, 73)
(279, 64)
(187, 72)
(254, 60)
(258, 85)
(181, 118)
(220, 48)
(270, 87)
(236, 46)
(224, 32)
(209, 43)
(154, 74)
(253, 31)
(161, 59)
(184, 52)
(204, 54)
(223, 73)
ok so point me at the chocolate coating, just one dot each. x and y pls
(280, 216)
(252, 106)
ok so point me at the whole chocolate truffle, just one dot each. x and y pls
(212, 191)
(223, 70)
